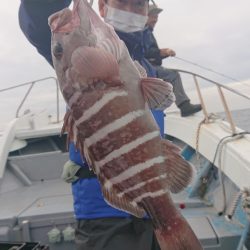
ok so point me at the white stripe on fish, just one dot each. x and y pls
(117, 124)
(133, 170)
(73, 99)
(139, 185)
(126, 148)
(149, 194)
(99, 105)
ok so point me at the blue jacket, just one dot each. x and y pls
(33, 20)
(151, 49)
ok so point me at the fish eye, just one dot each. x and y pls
(58, 51)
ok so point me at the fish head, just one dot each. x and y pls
(70, 29)
(76, 34)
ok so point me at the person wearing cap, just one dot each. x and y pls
(155, 55)
(99, 226)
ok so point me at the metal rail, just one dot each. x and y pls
(31, 85)
(220, 88)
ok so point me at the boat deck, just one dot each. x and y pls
(34, 200)
(48, 203)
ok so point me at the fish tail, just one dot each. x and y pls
(183, 239)
(171, 229)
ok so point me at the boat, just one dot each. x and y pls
(36, 205)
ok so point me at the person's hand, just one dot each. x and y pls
(167, 52)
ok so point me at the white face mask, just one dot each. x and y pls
(124, 21)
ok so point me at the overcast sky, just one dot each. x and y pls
(214, 34)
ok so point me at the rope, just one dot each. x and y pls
(211, 118)
(219, 149)
(233, 206)
(246, 201)
(245, 195)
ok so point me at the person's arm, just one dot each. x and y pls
(151, 49)
(155, 52)
(33, 21)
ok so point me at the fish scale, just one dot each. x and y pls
(108, 110)
(110, 121)
(120, 135)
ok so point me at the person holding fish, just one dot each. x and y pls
(87, 55)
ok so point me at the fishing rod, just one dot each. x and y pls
(209, 69)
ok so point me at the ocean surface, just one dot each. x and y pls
(242, 119)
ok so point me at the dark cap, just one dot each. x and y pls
(154, 10)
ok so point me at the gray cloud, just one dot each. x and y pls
(212, 33)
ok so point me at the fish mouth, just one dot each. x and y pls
(66, 20)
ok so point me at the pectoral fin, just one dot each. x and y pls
(157, 93)
(90, 64)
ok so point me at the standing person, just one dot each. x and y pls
(99, 226)
(155, 55)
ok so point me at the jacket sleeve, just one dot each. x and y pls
(151, 49)
(33, 20)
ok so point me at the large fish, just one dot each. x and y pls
(109, 98)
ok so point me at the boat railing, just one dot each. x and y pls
(220, 88)
(31, 85)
